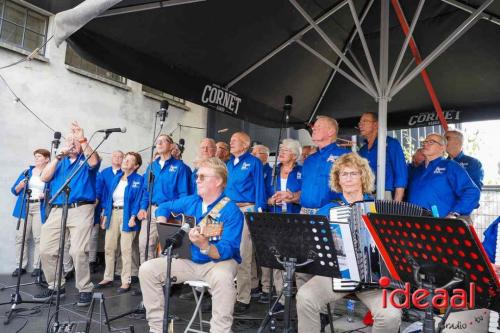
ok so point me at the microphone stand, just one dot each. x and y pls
(166, 288)
(62, 237)
(16, 296)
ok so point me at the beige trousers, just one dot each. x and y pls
(79, 224)
(153, 238)
(219, 275)
(33, 229)
(317, 292)
(116, 239)
(244, 277)
(93, 242)
(68, 261)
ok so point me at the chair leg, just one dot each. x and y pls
(197, 310)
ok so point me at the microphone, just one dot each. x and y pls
(113, 130)
(182, 142)
(57, 140)
(287, 107)
(163, 111)
(176, 240)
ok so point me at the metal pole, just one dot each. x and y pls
(382, 103)
(469, 9)
(463, 28)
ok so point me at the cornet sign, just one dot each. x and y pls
(431, 118)
(220, 99)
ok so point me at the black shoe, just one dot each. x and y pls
(255, 293)
(241, 308)
(134, 279)
(103, 285)
(84, 299)
(264, 298)
(35, 272)
(69, 275)
(93, 267)
(48, 294)
(187, 296)
(123, 290)
(206, 305)
(16, 272)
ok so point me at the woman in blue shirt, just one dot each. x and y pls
(120, 212)
(352, 177)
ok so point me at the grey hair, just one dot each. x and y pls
(293, 146)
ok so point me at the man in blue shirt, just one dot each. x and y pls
(80, 214)
(396, 171)
(246, 187)
(442, 185)
(214, 261)
(316, 170)
(170, 182)
(473, 166)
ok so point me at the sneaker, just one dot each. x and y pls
(241, 308)
(264, 298)
(16, 272)
(255, 293)
(84, 299)
(35, 272)
(48, 294)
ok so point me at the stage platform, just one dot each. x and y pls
(35, 321)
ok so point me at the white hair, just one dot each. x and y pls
(293, 146)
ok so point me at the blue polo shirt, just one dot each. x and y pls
(445, 184)
(396, 170)
(131, 199)
(19, 202)
(245, 180)
(231, 216)
(83, 185)
(293, 184)
(170, 182)
(316, 176)
(103, 183)
(473, 167)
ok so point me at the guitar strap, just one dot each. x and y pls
(214, 212)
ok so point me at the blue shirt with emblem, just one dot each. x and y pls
(228, 245)
(293, 184)
(131, 200)
(444, 184)
(396, 170)
(20, 207)
(245, 180)
(473, 167)
(83, 185)
(170, 182)
(316, 176)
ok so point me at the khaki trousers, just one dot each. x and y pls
(116, 239)
(153, 238)
(317, 292)
(93, 242)
(219, 275)
(33, 229)
(244, 277)
(68, 261)
(79, 224)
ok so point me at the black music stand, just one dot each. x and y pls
(435, 253)
(296, 243)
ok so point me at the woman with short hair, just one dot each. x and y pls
(120, 222)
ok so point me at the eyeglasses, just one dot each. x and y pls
(201, 177)
(366, 121)
(353, 174)
(431, 142)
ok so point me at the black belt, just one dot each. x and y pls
(117, 207)
(75, 204)
(34, 200)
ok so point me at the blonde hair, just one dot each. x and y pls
(352, 160)
(217, 165)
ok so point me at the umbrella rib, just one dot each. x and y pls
(365, 45)
(485, 16)
(339, 62)
(146, 6)
(409, 37)
(371, 92)
(285, 44)
(463, 28)
(405, 70)
(332, 45)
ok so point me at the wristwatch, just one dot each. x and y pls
(205, 251)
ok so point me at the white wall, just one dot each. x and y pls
(59, 96)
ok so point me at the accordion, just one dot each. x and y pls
(360, 262)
